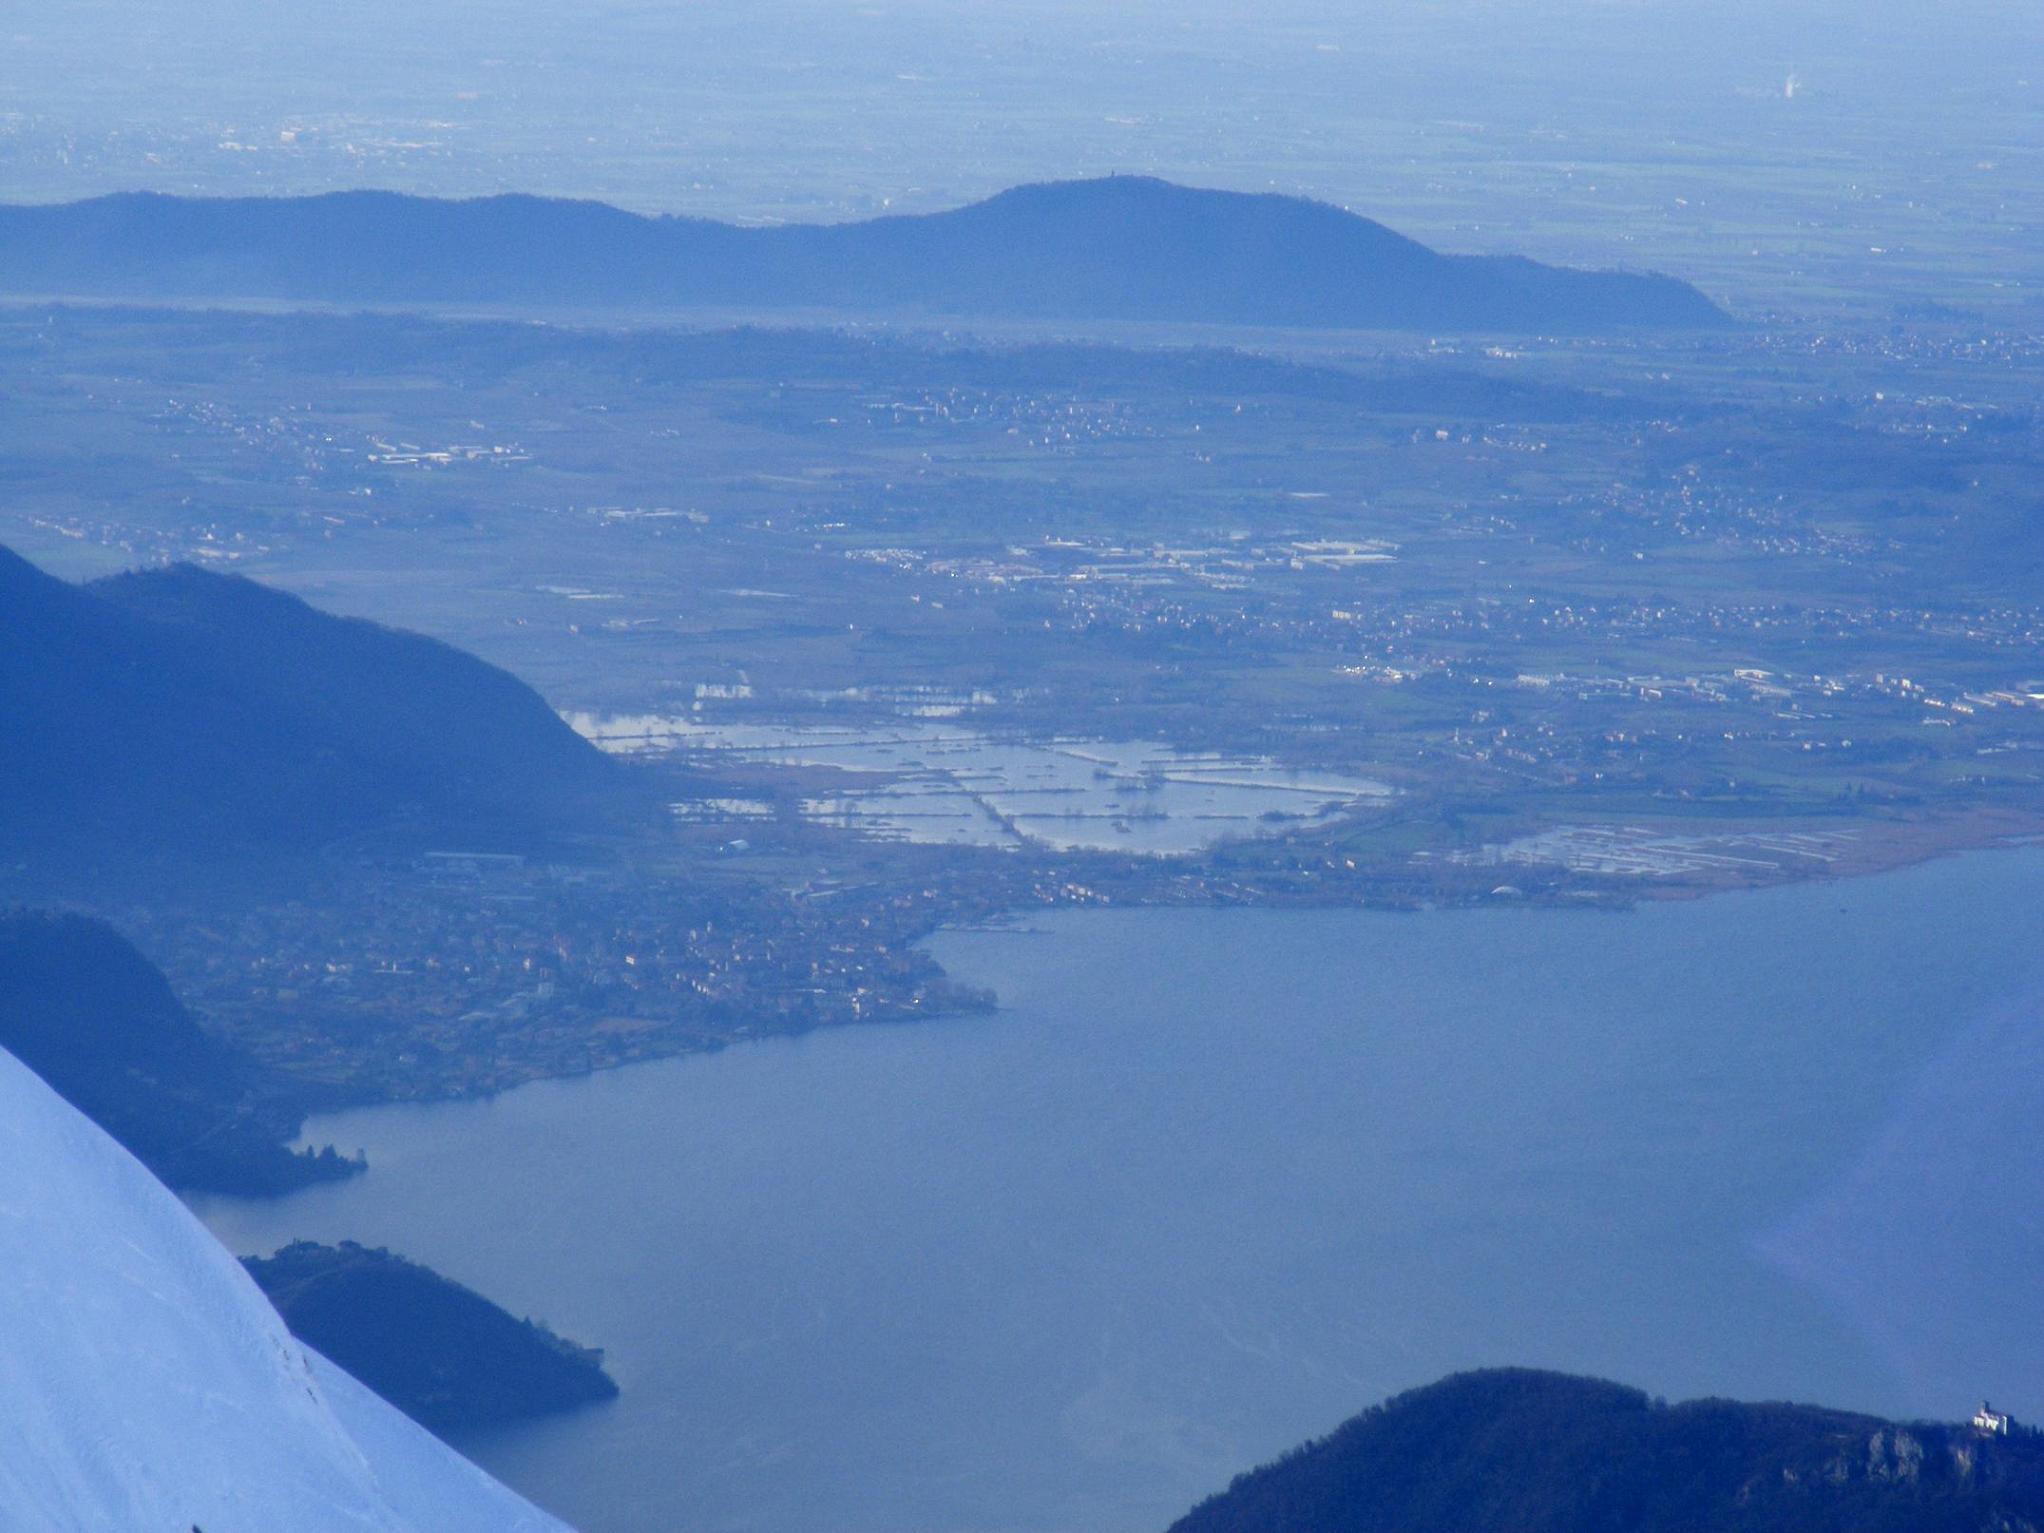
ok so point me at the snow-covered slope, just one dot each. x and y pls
(145, 1383)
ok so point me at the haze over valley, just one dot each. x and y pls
(869, 766)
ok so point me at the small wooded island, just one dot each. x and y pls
(441, 1353)
(1519, 1451)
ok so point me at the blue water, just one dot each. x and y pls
(1214, 1180)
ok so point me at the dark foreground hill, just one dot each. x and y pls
(184, 711)
(1123, 248)
(1515, 1451)
(98, 1022)
(442, 1354)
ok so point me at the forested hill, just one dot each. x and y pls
(180, 710)
(1121, 248)
(1515, 1451)
(98, 1022)
(441, 1353)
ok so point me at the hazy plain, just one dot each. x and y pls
(1216, 1178)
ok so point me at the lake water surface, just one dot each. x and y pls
(1214, 1180)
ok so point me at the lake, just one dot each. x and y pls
(1214, 1180)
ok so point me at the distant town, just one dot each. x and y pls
(912, 635)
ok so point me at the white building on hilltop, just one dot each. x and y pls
(1991, 1421)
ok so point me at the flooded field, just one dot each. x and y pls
(951, 785)
(1633, 851)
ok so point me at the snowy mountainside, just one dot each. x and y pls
(147, 1383)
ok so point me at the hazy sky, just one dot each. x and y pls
(1614, 131)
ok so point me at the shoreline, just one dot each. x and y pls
(1912, 846)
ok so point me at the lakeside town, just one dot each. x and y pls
(913, 635)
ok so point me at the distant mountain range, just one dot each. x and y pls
(1122, 248)
(1518, 1451)
(183, 711)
